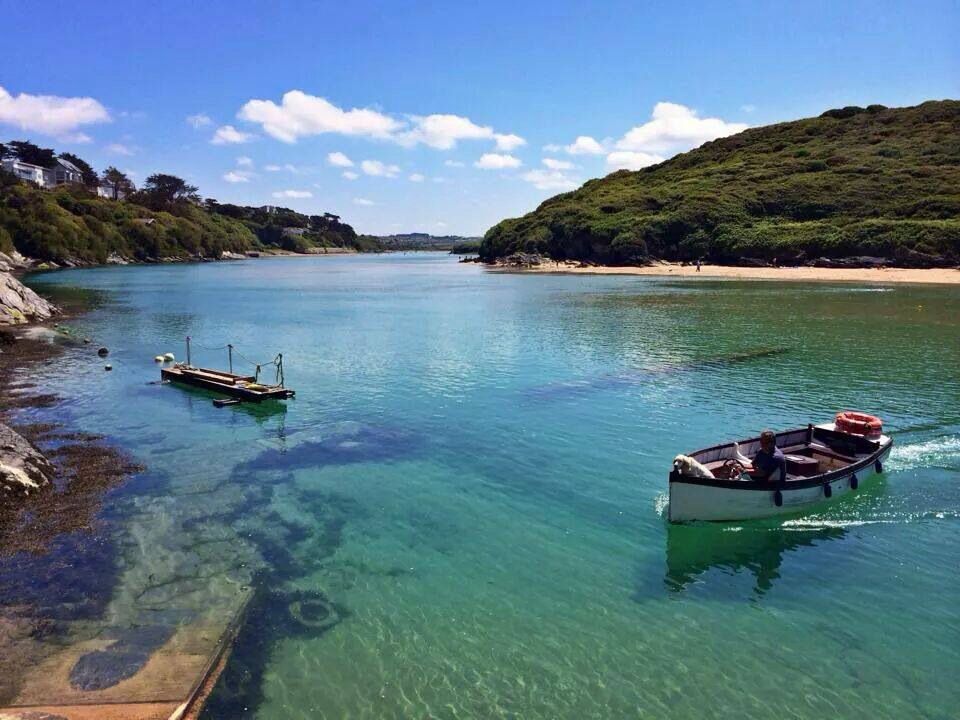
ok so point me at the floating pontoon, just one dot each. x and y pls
(241, 388)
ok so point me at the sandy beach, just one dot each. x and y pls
(937, 276)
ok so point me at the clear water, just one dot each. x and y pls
(461, 514)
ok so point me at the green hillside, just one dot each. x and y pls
(873, 181)
(165, 219)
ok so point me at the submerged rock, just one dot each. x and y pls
(19, 304)
(23, 468)
(346, 443)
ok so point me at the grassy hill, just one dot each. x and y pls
(853, 182)
(423, 241)
(71, 225)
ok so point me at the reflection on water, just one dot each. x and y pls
(756, 548)
(585, 386)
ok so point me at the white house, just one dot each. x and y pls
(25, 171)
(61, 173)
(106, 191)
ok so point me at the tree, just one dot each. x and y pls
(26, 151)
(162, 191)
(117, 182)
(90, 177)
(3, 151)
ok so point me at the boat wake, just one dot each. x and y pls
(939, 452)
(660, 504)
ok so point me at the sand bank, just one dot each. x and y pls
(939, 276)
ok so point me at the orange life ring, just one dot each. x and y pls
(857, 423)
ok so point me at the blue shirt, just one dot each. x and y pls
(769, 463)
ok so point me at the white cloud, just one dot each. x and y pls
(674, 128)
(379, 169)
(362, 201)
(440, 224)
(416, 177)
(229, 135)
(50, 114)
(439, 180)
(199, 120)
(748, 108)
(629, 160)
(442, 131)
(244, 161)
(237, 176)
(80, 138)
(552, 148)
(585, 145)
(293, 194)
(495, 161)
(273, 168)
(454, 163)
(550, 180)
(300, 115)
(350, 175)
(555, 164)
(509, 142)
(119, 149)
(338, 159)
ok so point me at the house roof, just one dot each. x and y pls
(21, 163)
(69, 165)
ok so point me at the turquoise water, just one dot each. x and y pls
(462, 515)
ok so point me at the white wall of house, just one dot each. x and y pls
(26, 171)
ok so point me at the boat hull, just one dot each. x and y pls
(693, 499)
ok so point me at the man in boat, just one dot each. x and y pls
(769, 463)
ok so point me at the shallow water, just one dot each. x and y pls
(462, 513)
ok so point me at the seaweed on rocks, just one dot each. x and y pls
(58, 551)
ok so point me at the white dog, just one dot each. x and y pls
(740, 457)
(688, 466)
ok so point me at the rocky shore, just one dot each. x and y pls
(18, 303)
(50, 478)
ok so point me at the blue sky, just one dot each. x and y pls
(465, 113)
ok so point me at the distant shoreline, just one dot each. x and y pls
(933, 276)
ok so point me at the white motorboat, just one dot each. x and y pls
(823, 462)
